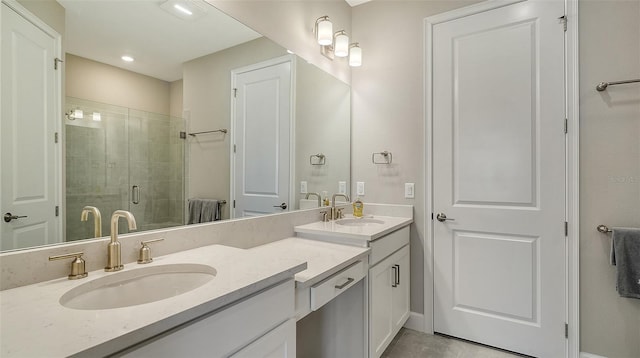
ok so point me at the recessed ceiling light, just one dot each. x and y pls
(182, 9)
(127, 58)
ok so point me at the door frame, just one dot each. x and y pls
(292, 129)
(572, 272)
(57, 111)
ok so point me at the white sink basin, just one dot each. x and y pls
(359, 222)
(138, 286)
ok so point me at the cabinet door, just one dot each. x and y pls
(280, 342)
(380, 324)
(400, 293)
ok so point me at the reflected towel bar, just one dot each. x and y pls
(183, 135)
(603, 85)
(603, 229)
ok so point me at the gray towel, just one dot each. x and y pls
(210, 210)
(625, 255)
(195, 208)
(204, 210)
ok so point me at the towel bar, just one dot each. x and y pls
(603, 229)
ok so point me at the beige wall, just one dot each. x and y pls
(48, 11)
(388, 115)
(176, 98)
(104, 83)
(609, 170)
(207, 102)
(290, 24)
(323, 125)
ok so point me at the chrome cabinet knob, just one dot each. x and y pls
(442, 217)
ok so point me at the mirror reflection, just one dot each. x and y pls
(208, 112)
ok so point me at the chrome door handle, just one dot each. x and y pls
(8, 217)
(282, 206)
(442, 217)
(135, 194)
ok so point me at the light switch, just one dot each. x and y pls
(303, 187)
(342, 187)
(360, 188)
(409, 190)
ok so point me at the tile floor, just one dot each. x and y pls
(412, 344)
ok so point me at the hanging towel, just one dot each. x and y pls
(195, 207)
(210, 210)
(204, 210)
(625, 255)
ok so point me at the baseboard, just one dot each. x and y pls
(416, 322)
(589, 355)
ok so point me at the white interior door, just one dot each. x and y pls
(499, 177)
(262, 122)
(30, 119)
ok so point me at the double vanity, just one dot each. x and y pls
(275, 298)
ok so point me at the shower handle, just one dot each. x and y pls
(135, 194)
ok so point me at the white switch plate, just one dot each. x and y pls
(360, 188)
(342, 187)
(303, 187)
(409, 190)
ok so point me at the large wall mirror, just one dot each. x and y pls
(208, 111)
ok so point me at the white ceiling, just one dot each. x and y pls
(160, 42)
(356, 2)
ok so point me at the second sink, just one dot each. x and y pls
(138, 286)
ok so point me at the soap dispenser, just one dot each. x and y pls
(358, 206)
(325, 200)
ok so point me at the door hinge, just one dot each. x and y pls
(234, 148)
(234, 204)
(55, 137)
(566, 228)
(563, 21)
(566, 330)
(57, 210)
(55, 63)
(235, 92)
(566, 125)
(431, 216)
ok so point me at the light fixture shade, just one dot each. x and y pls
(324, 31)
(341, 47)
(77, 114)
(96, 116)
(355, 55)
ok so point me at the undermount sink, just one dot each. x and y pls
(138, 286)
(359, 222)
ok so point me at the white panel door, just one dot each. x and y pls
(499, 177)
(30, 119)
(262, 123)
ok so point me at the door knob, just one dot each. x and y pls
(282, 206)
(8, 217)
(442, 217)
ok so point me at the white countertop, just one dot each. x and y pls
(34, 323)
(353, 235)
(323, 258)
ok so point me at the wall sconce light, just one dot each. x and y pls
(74, 114)
(96, 116)
(336, 44)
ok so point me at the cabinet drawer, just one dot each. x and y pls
(326, 290)
(388, 244)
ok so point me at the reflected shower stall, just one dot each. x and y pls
(122, 158)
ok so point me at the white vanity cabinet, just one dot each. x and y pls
(388, 289)
(259, 326)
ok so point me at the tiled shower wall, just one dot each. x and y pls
(106, 158)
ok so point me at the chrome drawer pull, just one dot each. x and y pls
(339, 287)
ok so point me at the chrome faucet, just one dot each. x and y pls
(316, 194)
(97, 219)
(334, 212)
(114, 252)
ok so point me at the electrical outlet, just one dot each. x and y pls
(342, 187)
(360, 188)
(303, 187)
(409, 190)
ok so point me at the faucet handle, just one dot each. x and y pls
(340, 214)
(144, 257)
(325, 216)
(77, 266)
